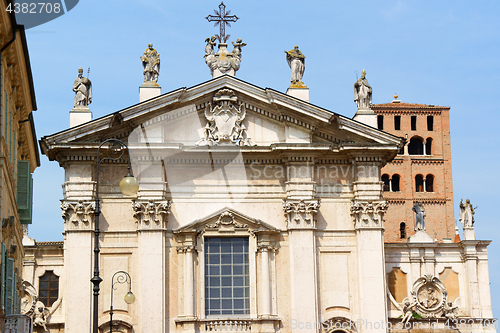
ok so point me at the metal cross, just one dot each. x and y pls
(222, 18)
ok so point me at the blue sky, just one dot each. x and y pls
(431, 52)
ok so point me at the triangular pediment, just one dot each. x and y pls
(263, 118)
(227, 220)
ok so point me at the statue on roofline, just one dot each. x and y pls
(83, 91)
(466, 215)
(150, 65)
(297, 62)
(362, 92)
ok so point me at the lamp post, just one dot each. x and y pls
(123, 277)
(128, 186)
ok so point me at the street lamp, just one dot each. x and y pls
(128, 186)
(123, 277)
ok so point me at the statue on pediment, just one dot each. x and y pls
(419, 210)
(83, 91)
(297, 62)
(150, 65)
(466, 215)
(363, 92)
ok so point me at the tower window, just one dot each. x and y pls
(402, 230)
(397, 123)
(430, 123)
(419, 183)
(413, 123)
(416, 146)
(429, 183)
(428, 146)
(395, 183)
(380, 122)
(385, 179)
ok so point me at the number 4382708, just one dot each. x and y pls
(34, 8)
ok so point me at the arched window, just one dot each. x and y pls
(49, 288)
(395, 183)
(402, 230)
(385, 179)
(416, 146)
(429, 183)
(419, 183)
(428, 146)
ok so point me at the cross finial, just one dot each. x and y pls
(222, 18)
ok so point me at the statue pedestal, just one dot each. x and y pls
(300, 93)
(420, 237)
(366, 116)
(79, 116)
(148, 91)
(469, 233)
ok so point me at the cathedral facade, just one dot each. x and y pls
(256, 211)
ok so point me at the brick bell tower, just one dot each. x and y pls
(421, 171)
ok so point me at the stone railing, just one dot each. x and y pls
(228, 326)
(18, 324)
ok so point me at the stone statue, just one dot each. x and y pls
(466, 215)
(83, 91)
(209, 49)
(419, 209)
(297, 62)
(151, 65)
(362, 92)
(40, 316)
(237, 47)
(407, 312)
(450, 311)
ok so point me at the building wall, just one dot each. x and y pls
(18, 157)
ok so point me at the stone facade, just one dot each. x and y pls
(277, 230)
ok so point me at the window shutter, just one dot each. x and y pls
(9, 289)
(24, 191)
(2, 277)
(15, 298)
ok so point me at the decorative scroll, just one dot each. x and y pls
(226, 221)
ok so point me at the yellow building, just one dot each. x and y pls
(18, 158)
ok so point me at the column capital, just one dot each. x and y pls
(78, 215)
(368, 214)
(151, 214)
(300, 213)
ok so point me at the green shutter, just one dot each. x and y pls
(15, 298)
(9, 288)
(2, 277)
(24, 192)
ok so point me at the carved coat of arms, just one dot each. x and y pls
(224, 121)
